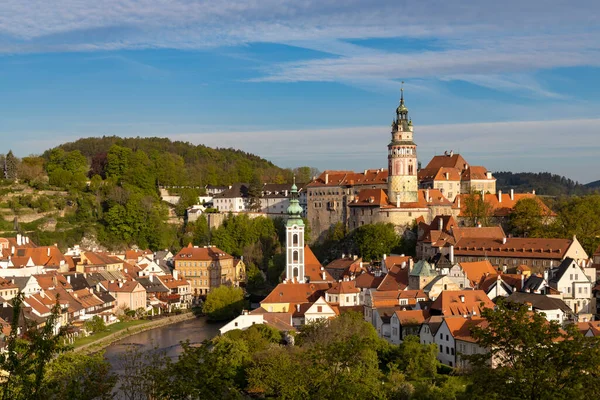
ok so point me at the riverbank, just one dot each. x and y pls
(102, 342)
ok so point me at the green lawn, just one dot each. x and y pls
(119, 326)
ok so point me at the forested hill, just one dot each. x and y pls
(543, 183)
(179, 163)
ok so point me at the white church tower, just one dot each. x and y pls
(294, 242)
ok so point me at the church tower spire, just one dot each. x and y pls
(402, 158)
(294, 242)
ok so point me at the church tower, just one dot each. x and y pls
(294, 242)
(402, 158)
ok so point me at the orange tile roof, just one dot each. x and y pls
(512, 280)
(296, 293)
(449, 302)
(476, 173)
(368, 281)
(52, 280)
(476, 271)
(350, 178)
(454, 161)
(411, 317)
(313, 268)
(48, 256)
(343, 287)
(87, 298)
(501, 208)
(98, 258)
(514, 247)
(211, 253)
(127, 286)
(395, 279)
(461, 328)
(385, 299)
(370, 198)
(447, 174)
(172, 283)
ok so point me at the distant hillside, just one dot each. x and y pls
(593, 185)
(181, 163)
(543, 183)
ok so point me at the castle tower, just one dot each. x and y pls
(294, 242)
(402, 158)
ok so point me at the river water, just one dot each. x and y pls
(165, 338)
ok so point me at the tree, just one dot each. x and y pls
(477, 210)
(527, 218)
(254, 193)
(578, 216)
(11, 166)
(27, 356)
(533, 358)
(79, 376)
(31, 169)
(223, 303)
(375, 240)
(95, 325)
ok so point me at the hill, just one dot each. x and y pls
(179, 163)
(544, 183)
(593, 185)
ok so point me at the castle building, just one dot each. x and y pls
(402, 158)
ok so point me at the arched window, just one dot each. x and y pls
(295, 239)
(295, 272)
(295, 256)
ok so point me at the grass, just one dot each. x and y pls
(116, 327)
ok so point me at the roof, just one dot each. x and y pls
(367, 281)
(296, 293)
(87, 298)
(395, 279)
(476, 271)
(476, 173)
(447, 174)
(385, 299)
(501, 203)
(461, 328)
(48, 256)
(453, 161)
(209, 253)
(539, 301)
(411, 317)
(533, 283)
(370, 198)
(97, 258)
(350, 178)
(343, 287)
(236, 190)
(152, 285)
(172, 283)
(434, 322)
(461, 302)
(562, 269)
(127, 286)
(313, 268)
(423, 268)
(386, 313)
(514, 247)
(52, 280)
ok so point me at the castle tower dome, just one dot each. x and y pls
(294, 242)
(402, 158)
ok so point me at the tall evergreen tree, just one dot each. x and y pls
(12, 163)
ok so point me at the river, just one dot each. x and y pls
(165, 338)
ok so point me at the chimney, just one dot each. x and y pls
(324, 275)
(120, 284)
(91, 290)
(297, 307)
(512, 194)
(488, 175)
(504, 240)
(403, 265)
(384, 256)
(397, 201)
(546, 275)
(355, 257)
(462, 298)
(522, 281)
(343, 255)
(499, 196)
(69, 279)
(151, 278)
(18, 239)
(48, 252)
(459, 203)
(175, 274)
(427, 195)
(451, 255)
(533, 192)
(12, 251)
(440, 224)
(326, 178)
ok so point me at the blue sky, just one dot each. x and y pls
(512, 85)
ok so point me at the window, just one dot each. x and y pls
(441, 336)
(452, 351)
(295, 239)
(319, 308)
(447, 338)
(447, 350)
(236, 324)
(441, 348)
(295, 256)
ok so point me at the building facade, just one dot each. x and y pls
(205, 267)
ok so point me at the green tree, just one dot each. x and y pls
(375, 240)
(95, 324)
(578, 216)
(11, 166)
(533, 358)
(476, 210)
(27, 357)
(223, 303)
(254, 193)
(79, 376)
(527, 218)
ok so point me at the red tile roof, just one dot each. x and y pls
(514, 247)
(343, 287)
(450, 302)
(411, 317)
(350, 178)
(211, 253)
(296, 293)
(476, 271)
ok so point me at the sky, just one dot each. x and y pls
(511, 85)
